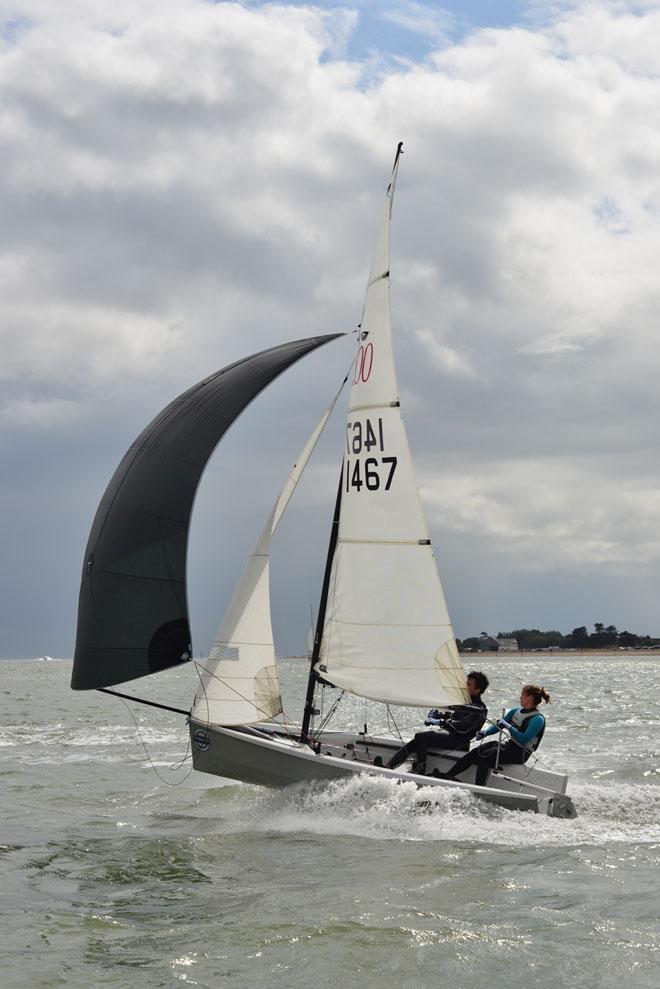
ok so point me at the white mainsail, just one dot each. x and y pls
(239, 681)
(387, 633)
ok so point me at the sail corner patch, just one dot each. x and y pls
(169, 645)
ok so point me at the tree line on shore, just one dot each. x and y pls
(602, 637)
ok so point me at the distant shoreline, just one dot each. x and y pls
(564, 653)
(465, 656)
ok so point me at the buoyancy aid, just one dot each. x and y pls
(520, 718)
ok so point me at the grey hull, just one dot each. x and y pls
(260, 756)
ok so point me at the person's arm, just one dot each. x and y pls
(468, 720)
(500, 722)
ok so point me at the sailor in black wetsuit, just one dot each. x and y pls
(453, 728)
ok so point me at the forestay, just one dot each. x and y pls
(387, 633)
(239, 682)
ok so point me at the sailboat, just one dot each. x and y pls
(383, 631)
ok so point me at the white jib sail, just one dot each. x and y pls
(387, 633)
(239, 682)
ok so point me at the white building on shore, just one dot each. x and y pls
(507, 645)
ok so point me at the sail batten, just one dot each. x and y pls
(387, 542)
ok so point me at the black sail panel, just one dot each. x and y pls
(132, 610)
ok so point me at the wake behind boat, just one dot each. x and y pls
(383, 630)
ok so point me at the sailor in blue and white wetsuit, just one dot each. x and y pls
(525, 726)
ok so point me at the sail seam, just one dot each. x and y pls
(379, 624)
(237, 643)
(139, 576)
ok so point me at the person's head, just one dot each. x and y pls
(476, 683)
(531, 695)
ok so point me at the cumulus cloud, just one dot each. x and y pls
(551, 513)
(444, 358)
(182, 186)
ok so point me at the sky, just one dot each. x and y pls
(184, 184)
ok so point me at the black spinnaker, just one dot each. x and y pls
(132, 610)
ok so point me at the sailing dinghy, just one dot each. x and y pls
(383, 630)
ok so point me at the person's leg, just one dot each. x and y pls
(423, 741)
(512, 755)
(445, 740)
(435, 741)
(463, 763)
(416, 747)
(488, 758)
(402, 754)
(484, 757)
(508, 755)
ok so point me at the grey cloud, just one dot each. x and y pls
(178, 193)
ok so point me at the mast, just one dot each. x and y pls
(390, 188)
(314, 678)
(313, 675)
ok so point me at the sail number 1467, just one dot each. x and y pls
(370, 472)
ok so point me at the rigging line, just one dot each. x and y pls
(286, 722)
(141, 700)
(248, 700)
(329, 624)
(295, 482)
(174, 766)
(206, 698)
(292, 733)
(391, 716)
(327, 718)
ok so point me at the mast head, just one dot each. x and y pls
(395, 167)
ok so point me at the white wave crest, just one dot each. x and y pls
(381, 809)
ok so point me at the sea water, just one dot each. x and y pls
(121, 867)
